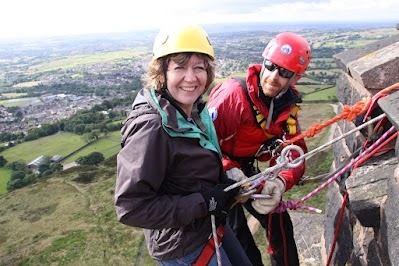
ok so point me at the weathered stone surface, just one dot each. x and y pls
(397, 147)
(390, 106)
(344, 243)
(378, 69)
(370, 228)
(340, 149)
(308, 232)
(344, 58)
(349, 91)
(367, 186)
(365, 247)
(390, 224)
(344, 148)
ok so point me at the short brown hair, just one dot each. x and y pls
(155, 76)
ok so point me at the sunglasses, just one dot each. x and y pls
(285, 73)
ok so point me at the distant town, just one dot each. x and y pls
(47, 108)
(55, 77)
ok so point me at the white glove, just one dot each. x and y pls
(274, 188)
(235, 174)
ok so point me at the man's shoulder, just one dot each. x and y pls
(228, 87)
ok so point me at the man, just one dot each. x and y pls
(251, 115)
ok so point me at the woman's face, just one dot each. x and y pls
(186, 82)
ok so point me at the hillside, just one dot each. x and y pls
(69, 218)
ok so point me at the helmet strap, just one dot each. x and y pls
(270, 114)
(287, 86)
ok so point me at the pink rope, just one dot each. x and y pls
(291, 204)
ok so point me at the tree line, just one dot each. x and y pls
(88, 122)
(22, 175)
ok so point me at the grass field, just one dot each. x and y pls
(58, 144)
(318, 92)
(18, 101)
(13, 95)
(58, 222)
(108, 146)
(4, 177)
(101, 58)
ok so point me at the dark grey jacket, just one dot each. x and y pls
(164, 162)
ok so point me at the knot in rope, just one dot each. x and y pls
(351, 112)
(313, 130)
(284, 205)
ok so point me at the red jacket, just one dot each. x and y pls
(239, 134)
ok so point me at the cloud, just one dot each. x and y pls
(61, 17)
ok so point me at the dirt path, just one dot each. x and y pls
(69, 165)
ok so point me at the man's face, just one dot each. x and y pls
(275, 78)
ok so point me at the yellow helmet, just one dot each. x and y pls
(191, 38)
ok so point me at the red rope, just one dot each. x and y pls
(362, 160)
(341, 215)
(284, 239)
(378, 148)
(271, 249)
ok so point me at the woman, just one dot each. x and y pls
(169, 173)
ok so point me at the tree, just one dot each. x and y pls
(3, 161)
(93, 158)
(55, 167)
(17, 166)
(17, 175)
(19, 114)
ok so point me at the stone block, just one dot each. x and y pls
(390, 213)
(340, 149)
(365, 247)
(344, 58)
(349, 91)
(344, 244)
(390, 106)
(368, 185)
(378, 69)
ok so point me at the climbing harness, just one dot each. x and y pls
(291, 123)
(212, 245)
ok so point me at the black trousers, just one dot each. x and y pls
(238, 222)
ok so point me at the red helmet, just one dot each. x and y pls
(289, 50)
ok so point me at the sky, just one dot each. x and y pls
(37, 18)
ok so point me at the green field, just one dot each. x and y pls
(18, 102)
(4, 177)
(13, 95)
(100, 58)
(327, 94)
(108, 146)
(58, 144)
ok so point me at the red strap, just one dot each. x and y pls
(209, 248)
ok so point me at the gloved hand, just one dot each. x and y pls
(275, 188)
(235, 174)
(217, 200)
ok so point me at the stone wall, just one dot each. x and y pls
(369, 228)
